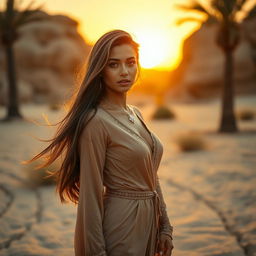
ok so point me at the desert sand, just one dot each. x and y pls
(210, 194)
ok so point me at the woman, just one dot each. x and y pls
(111, 160)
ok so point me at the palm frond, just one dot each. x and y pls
(224, 7)
(188, 19)
(27, 16)
(14, 18)
(240, 4)
(194, 6)
(251, 14)
(219, 6)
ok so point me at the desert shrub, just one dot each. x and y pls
(190, 141)
(246, 114)
(54, 106)
(163, 112)
(38, 177)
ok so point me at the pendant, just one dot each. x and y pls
(131, 118)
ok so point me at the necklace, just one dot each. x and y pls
(128, 111)
(131, 116)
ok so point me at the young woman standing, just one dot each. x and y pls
(111, 160)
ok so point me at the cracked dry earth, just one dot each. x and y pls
(210, 194)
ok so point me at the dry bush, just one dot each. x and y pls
(245, 114)
(163, 112)
(190, 141)
(54, 106)
(38, 177)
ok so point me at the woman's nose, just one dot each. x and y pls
(124, 70)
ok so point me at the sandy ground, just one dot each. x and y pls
(210, 194)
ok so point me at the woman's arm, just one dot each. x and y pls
(89, 239)
(165, 226)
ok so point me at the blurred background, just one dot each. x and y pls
(182, 61)
(197, 92)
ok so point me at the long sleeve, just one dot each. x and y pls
(165, 226)
(89, 238)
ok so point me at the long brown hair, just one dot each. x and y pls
(91, 90)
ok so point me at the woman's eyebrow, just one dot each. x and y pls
(119, 59)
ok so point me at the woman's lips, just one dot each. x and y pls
(125, 82)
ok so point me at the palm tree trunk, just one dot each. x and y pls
(13, 104)
(228, 120)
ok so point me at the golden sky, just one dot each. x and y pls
(151, 22)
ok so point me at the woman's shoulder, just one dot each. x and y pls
(93, 129)
(94, 121)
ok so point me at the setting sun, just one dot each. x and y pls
(157, 49)
(153, 48)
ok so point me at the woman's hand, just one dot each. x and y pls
(165, 245)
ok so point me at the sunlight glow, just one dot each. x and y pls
(151, 22)
(157, 48)
(153, 47)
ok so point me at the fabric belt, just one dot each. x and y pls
(139, 195)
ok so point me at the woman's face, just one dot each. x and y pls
(120, 71)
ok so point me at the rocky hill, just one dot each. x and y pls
(201, 72)
(49, 53)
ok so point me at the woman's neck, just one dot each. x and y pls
(117, 100)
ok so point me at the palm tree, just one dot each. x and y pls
(227, 14)
(10, 22)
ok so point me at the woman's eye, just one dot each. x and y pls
(113, 65)
(131, 63)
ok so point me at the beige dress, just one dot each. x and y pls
(117, 155)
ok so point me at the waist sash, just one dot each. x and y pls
(139, 195)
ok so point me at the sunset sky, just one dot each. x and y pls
(151, 22)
